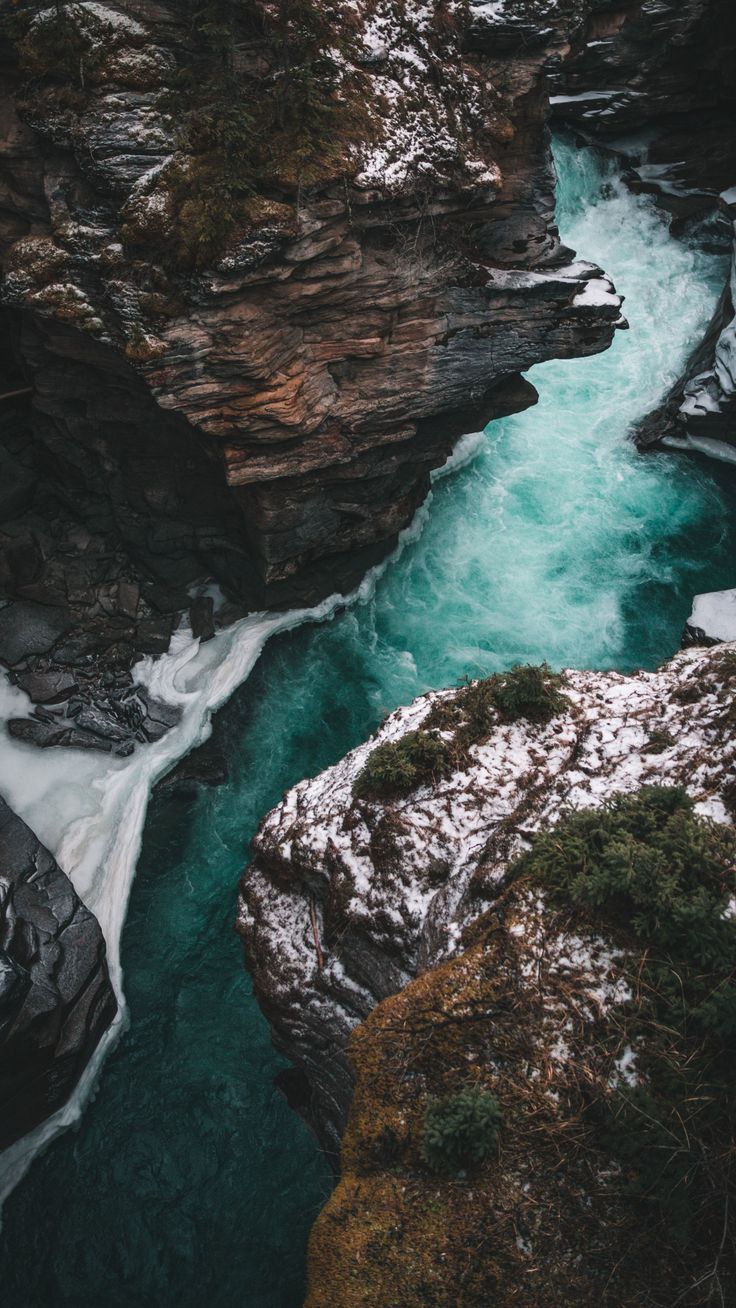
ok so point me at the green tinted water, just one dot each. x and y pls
(189, 1181)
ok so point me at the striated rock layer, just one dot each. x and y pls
(56, 999)
(271, 419)
(653, 81)
(348, 899)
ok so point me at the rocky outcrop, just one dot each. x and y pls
(542, 1025)
(269, 418)
(653, 82)
(349, 898)
(56, 999)
(699, 413)
(666, 66)
(712, 620)
(404, 957)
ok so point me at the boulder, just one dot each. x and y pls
(56, 999)
(27, 628)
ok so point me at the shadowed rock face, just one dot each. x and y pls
(277, 426)
(667, 67)
(55, 994)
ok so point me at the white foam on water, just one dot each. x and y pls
(89, 808)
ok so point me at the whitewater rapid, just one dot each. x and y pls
(539, 552)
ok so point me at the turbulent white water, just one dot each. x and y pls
(542, 549)
(89, 809)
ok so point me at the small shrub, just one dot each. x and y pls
(460, 1130)
(659, 740)
(531, 692)
(645, 862)
(397, 767)
(648, 868)
(527, 691)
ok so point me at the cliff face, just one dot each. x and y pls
(349, 898)
(270, 418)
(653, 81)
(55, 994)
(404, 958)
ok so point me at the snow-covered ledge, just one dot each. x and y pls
(348, 899)
(713, 619)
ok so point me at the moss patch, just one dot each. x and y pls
(646, 866)
(398, 767)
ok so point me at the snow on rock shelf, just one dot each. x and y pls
(348, 899)
(713, 619)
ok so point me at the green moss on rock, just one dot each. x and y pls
(397, 767)
(594, 1006)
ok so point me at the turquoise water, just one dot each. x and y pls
(189, 1182)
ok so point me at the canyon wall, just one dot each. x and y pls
(355, 896)
(653, 82)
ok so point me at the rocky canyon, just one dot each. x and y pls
(263, 265)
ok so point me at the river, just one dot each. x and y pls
(187, 1180)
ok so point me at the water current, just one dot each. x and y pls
(187, 1181)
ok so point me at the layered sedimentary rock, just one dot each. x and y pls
(56, 999)
(350, 898)
(653, 82)
(269, 419)
(700, 411)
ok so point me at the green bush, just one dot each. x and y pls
(397, 767)
(529, 691)
(660, 879)
(646, 862)
(659, 741)
(460, 1130)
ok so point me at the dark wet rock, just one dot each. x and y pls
(153, 634)
(204, 766)
(47, 686)
(90, 717)
(202, 617)
(16, 486)
(37, 731)
(27, 628)
(105, 711)
(159, 717)
(56, 999)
